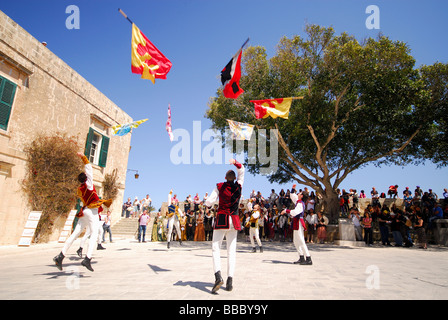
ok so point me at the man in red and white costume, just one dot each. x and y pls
(227, 222)
(298, 225)
(87, 216)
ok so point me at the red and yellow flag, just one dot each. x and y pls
(272, 107)
(147, 60)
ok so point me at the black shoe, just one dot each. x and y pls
(307, 261)
(300, 261)
(58, 260)
(79, 252)
(254, 249)
(218, 282)
(261, 249)
(86, 263)
(180, 242)
(100, 247)
(229, 284)
(168, 245)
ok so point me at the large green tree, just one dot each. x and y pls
(364, 102)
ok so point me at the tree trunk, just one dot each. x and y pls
(330, 205)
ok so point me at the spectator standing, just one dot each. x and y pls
(395, 225)
(208, 224)
(281, 196)
(311, 219)
(128, 207)
(136, 207)
(272, 198)
(199, 233)
(106, 226)
(322, 222)
(421, 235)
(146, 203)
(354, 215)
(190, 225)
(384, 221)
(143, 222)
(196, 201)
(368, 230)
(311, 202)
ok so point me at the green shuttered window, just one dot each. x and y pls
(97, 146)
(7, 92)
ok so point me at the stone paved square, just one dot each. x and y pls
(128, 270)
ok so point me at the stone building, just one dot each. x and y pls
(41, 94)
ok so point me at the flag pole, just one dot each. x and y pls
(124, 15)
(245, 43)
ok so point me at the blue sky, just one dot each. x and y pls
(200, 37)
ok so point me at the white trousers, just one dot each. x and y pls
(88, 233)
(218, 236)
(299, 241)
(88, 220)
(173, 222)
(254, 232)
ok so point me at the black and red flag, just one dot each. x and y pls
(231, 74)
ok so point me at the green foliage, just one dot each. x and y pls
(364, 102)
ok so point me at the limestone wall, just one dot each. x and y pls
(50, 97)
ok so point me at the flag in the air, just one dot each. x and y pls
(240, 130)
(230, 77)
(147, 60)
(168, 124)
(272, 107)
(124, 129)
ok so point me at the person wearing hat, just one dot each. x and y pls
(174, 215)
(253, 228)
(227, 222)
(298, 225)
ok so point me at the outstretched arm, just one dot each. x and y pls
(169, 197)
(239, 170)
(88, 170)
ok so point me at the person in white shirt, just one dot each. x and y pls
(174, 215)
(311, 218)
(227, 222)
(146, 203)
(106, 226)
(354, 215)
(254, 228)
(298, 229)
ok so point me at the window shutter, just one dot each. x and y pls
(89, 143)
(7, 91)
(104, 149)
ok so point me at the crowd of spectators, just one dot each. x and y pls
(413, 219)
